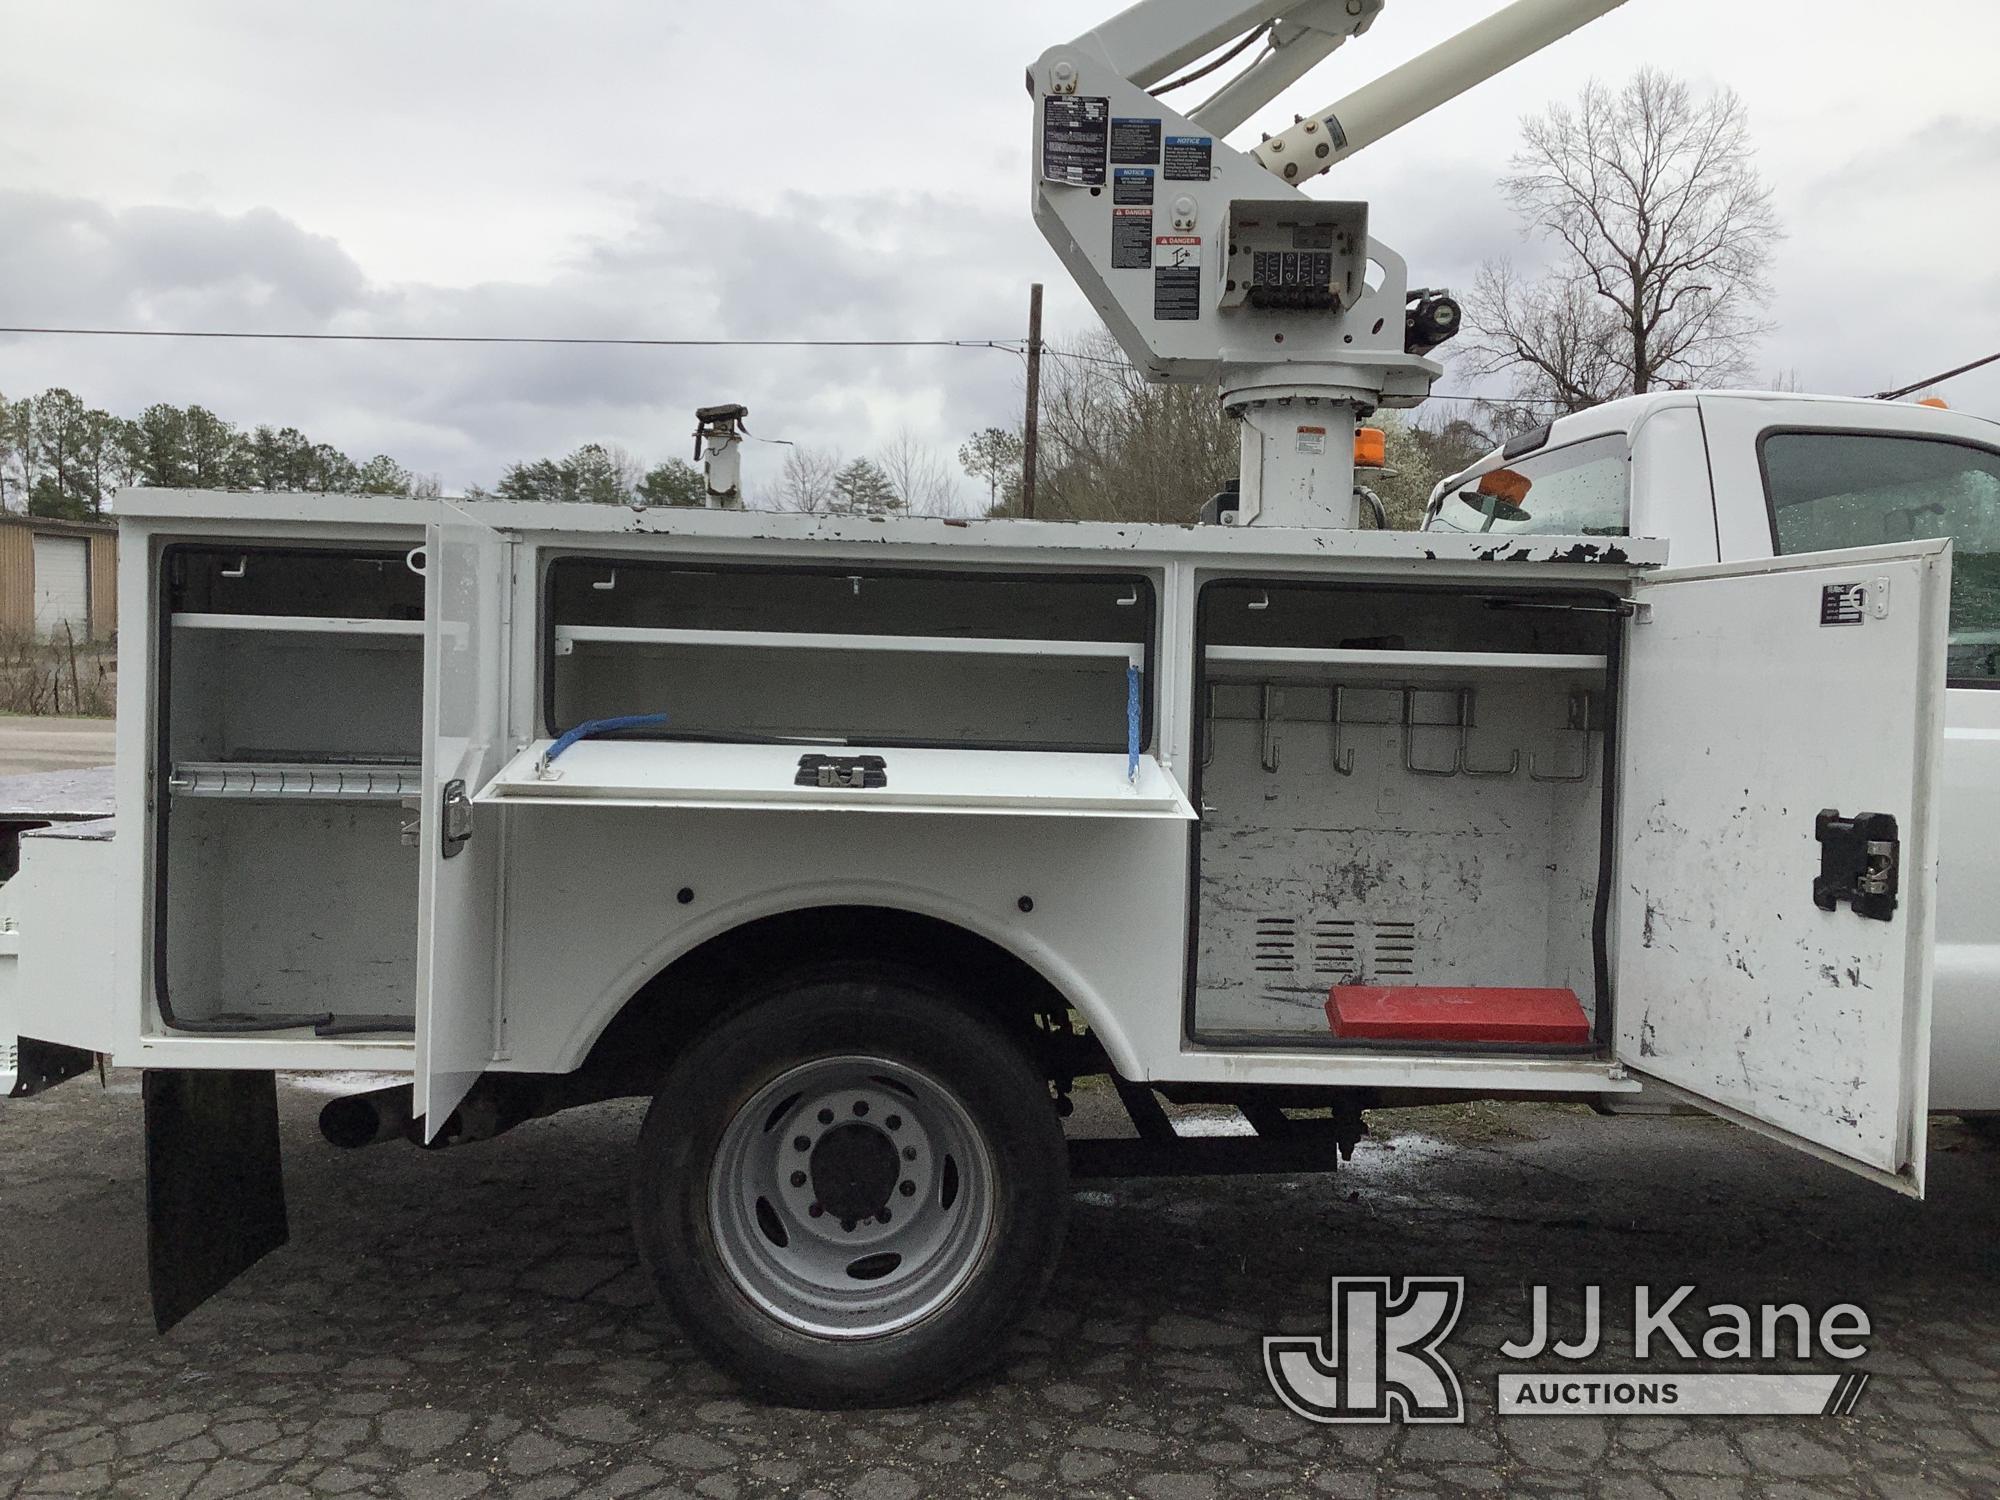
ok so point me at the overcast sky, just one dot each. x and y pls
(858, 168)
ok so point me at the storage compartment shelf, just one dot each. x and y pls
(298, 780)
(568, 637)
(297, 624)
(655, 773)
(1325, 663)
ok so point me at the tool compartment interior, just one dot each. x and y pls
(289, 737)
(846, 655)
(1402, 791)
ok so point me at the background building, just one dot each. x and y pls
(54, 573)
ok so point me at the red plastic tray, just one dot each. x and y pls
(1419, 1013)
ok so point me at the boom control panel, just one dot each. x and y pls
(1295, 256)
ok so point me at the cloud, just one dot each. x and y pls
(881, 267)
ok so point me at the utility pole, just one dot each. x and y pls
(1031, 436)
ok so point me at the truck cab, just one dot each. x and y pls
(1745, 476)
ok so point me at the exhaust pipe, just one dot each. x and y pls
(494, 1106)
(358, 1120)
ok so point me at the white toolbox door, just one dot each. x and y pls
(1756, 696)
(467, 584)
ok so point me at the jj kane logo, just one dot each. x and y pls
(1380, 1359)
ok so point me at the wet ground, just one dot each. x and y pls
(473, 1322)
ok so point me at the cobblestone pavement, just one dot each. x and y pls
(472, 1322)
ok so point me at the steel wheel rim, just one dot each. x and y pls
(851, 1197)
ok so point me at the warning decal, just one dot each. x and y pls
(1076, 133)
(1312, 440)
(1131, 239)
(1132, 185)
(1177, 277)
(1135, 141)
(1189, 158)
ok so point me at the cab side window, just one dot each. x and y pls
(1829, 490)
(1582, 489)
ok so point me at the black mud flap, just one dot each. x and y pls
(215, 1189)
(40, 1066)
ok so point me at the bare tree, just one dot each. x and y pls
(919, 476)
(1116, 446)
(807, 482)
(1664, 231)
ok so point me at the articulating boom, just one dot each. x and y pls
(1208, 264)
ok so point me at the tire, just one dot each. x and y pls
(848, 1190)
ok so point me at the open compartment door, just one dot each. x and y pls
(1771, 965)
(465, 617)
(841, 778)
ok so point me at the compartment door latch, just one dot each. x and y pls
(851, 771)
(457, 819)
(1860, 862)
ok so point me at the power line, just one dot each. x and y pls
(1910, 390)
(1004, 346)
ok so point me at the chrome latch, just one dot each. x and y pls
(456, 829)
(1859, 863)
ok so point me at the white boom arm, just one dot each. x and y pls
(1208, 264)
(1424, 82)
(1300, 41)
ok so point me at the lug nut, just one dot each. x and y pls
(907, 1188)
(909, 1153)
(815, 1211)
(802, 1143)
(798, 1179)
(860, 1107)
(826, 1117)
(894, 1122)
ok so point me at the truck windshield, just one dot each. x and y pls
(1581, 489)
(1829, 490)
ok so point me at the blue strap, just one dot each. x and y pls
(591, 728)
(1132, 717)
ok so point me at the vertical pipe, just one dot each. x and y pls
(1031, 438)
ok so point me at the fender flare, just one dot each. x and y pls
(593, 1019)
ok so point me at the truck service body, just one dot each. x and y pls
(854, 842)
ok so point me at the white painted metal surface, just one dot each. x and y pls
(1305, 661)
(1732, 984)
(568, 637)
(66, 978)
(295, 624)
(468, 592)
(1432, 78)
(661, 773)
(62, 586)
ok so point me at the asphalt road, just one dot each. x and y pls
(473, 1322)
(52, 744)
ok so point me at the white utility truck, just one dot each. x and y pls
(853, 843)
(1748, 476)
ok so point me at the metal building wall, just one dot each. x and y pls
(103, 586)
(17, 580)
(17, 574)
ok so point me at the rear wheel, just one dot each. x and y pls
(850, 1189)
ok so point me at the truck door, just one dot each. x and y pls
(1773, 964)
(468, 585)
